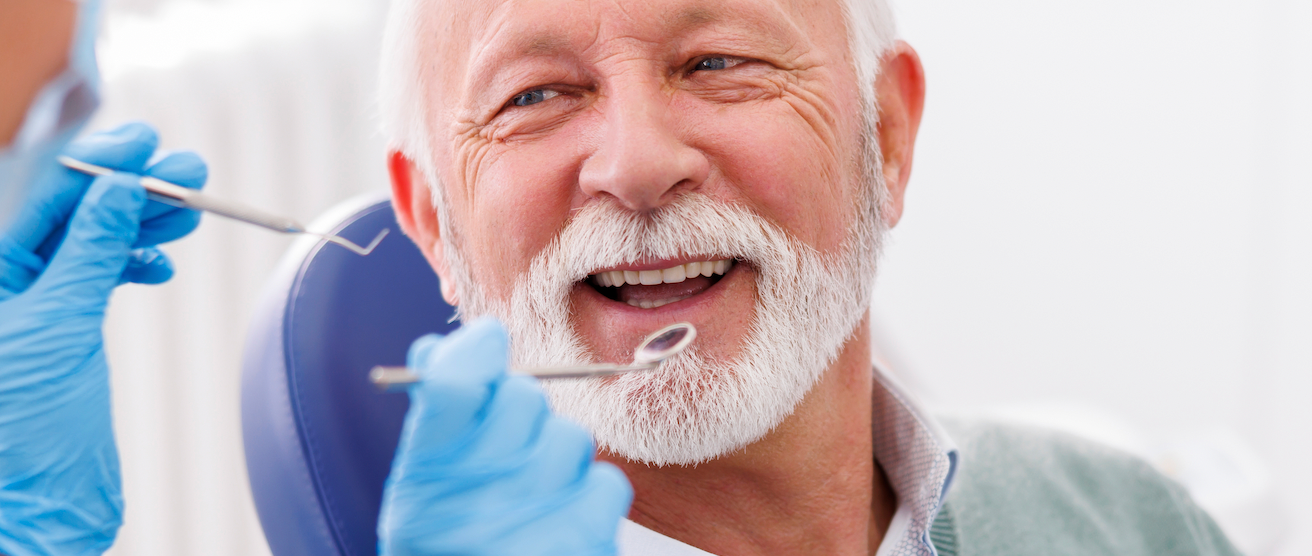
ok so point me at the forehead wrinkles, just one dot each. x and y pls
(465, 40)
(592, 28)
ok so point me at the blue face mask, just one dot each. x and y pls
(54, 118)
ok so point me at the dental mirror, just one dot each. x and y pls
(655, 348)
(664, 344)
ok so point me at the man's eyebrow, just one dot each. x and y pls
(539, 45)
(757, 25)
(546, 44)
(692, 18)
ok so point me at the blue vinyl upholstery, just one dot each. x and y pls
(319, 438)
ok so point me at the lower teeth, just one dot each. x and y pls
(647, 304)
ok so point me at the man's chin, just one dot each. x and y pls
(685, 413)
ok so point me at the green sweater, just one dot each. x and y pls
(1026, 491)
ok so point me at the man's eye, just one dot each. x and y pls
(528, 98)
(717, 63)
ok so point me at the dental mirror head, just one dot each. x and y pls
(664, 344)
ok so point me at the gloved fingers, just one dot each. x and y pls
(491, 519)
(18, 268)
(459, 374)
(609, 490)
(161, 223)
(605, 499)
(592, 511)
(602, 499)
(147, 265)
(511, 425)
(554, 465)
(39, 227)
(126, 148)
(88, 263)
(583, 519)
(562, 456)
(422, 348)
(474, 354)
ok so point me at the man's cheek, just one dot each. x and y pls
(520, 208)
(778, 167)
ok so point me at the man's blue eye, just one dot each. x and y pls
(535, 96)
(716, 63)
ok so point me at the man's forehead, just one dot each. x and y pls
(480, 31)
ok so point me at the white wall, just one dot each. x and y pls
(1109, 209)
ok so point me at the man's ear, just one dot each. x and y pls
(412, 200)
(900, 89)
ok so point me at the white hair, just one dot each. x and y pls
(871, 31)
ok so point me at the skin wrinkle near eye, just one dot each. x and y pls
(503, 135)
(762, 85)
(470, 161)
(738, 84)
(822, 116)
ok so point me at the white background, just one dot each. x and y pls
(1110, 210)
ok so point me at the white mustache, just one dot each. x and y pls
(604, 235)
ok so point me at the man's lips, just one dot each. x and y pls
(718, 306)
(655, 287)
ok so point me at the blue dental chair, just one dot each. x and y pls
(319, 437)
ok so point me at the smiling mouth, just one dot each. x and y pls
(649, 289)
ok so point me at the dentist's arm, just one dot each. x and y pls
(76, 241)
(484, 467)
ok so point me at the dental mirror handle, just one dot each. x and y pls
(178, 196)
(397, 378)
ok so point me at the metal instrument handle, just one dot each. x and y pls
(177, 195)
(393, 379)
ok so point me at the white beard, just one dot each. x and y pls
(694, 408)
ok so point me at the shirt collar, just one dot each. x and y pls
(918, 458)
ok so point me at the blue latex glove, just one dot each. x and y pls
(79, 239)
(484, 467)
(39, 228)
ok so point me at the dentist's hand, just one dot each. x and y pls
(29, 245)
(484, 467)
(70, 247)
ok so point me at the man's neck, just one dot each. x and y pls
(810, 486)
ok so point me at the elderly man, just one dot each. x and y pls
(588, 171)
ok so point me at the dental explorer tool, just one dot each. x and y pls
(656, 347)
(182, 197)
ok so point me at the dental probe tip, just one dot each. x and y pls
(351, 246)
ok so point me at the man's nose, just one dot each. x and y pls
(641, 160)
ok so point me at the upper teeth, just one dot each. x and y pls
(672, 275)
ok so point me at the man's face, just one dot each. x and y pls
(651, 120)
(636, 112)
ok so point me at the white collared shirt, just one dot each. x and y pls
(917, 456)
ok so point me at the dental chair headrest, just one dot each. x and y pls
(319, 437)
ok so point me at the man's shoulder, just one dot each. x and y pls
(1027, 490)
